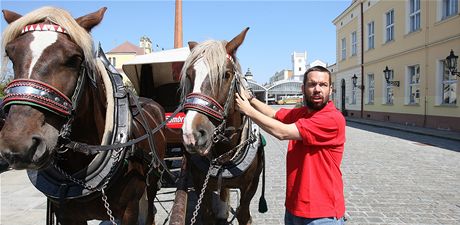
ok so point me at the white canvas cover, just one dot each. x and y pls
(161, 64)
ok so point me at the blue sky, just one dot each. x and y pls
(277, 28)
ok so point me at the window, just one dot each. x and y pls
(389, 28)
(449, 86)
(413, 90)
(371, 88)
(388, 89)
(370, 35)
(344, 49)
(414, 15)
(449, 8)
(112, 61)
(354, 43)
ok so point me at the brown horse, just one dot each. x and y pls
(224, 150)
(63, 98)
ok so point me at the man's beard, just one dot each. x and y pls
(313, 105)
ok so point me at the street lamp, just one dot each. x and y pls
(387, 72)
(354, 79)
(451, 62)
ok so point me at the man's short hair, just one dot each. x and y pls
(319, 69)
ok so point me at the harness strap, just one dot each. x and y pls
(204, 104)
(37, 93)
(94, 149)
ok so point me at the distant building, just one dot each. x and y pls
(299, 65)
(146, 44)
(317, 63)
(126, 52)
(333, 69)
(249, 75)
(281, 75)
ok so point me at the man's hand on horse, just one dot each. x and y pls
(242, 102)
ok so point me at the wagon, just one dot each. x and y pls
(156, 76)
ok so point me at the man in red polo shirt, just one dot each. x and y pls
(314, 191)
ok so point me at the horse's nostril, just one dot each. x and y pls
(36, 141)
(202, 133)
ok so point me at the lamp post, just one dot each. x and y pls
(451, 62)
(387, 72)
(354, 79)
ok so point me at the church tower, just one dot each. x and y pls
(299, 65)
(146, 44)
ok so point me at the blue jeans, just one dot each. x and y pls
(290, 219)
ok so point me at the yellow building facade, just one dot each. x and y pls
(407, 40)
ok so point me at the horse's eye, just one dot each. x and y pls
(73, 61)
(228, 74)
(9, 49)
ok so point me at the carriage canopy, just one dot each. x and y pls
(159, 66)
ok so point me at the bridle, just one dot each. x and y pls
(210, 107)
(39, 94)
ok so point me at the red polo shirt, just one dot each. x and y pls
(314, 186)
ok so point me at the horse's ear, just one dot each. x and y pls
(10, 16)
(233, 45)
(92, 19)
(192, 44)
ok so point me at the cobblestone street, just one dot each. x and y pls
(391, 177)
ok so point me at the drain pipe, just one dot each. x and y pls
(362, 60)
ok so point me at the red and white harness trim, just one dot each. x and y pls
(24, 91)
(43, 27)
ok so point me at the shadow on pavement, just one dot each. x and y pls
(420, 139)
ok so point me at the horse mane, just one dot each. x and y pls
(55, 15)
(215, 56)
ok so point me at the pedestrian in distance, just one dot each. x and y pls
(316, 134)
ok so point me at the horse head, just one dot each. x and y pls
(210, 76)
(49, 49)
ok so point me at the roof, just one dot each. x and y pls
(127, 47)
(162, 64)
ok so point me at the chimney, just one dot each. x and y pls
(178, 25)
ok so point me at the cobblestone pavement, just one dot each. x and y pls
(390, 176)
(394, 177)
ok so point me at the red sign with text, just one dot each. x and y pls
(177, 121)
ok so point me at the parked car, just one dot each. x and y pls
(289, 100)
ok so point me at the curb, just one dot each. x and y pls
(419, 130)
